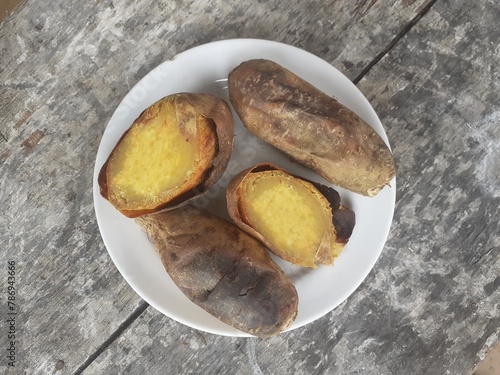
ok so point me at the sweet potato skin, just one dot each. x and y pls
(223, 270)
(209, 107)
(311, 127)
(343, 218)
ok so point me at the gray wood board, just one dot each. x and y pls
(431, 304)
(66, 66)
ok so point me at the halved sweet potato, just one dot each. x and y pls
(223, 270)
(174, 151)
(300, 221)
(310, 126)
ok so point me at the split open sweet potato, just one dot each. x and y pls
(310, 126)
(174, 151)
(300, 221)
(223, 270)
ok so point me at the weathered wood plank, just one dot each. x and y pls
(438, 95)
(65, 67)
(431, 304)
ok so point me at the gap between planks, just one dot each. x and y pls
(121, 328)
(394, 41)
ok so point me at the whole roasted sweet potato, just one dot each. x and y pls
(222, 269)
(174, 151)
(311, 127)
(300, 221)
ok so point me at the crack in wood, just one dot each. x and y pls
(477, 235)
(117, 333)
(359, 7)
(394, 41)
(481, 256)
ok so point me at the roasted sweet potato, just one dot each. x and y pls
(300, 221)
(222, 269)
(174, 151)
(310, 126)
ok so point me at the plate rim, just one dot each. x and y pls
(96, 195)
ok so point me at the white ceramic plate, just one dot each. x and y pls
(205, 69)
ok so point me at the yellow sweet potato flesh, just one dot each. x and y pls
(290, 213)
(298, 220)
(157, 159)
(174, 151)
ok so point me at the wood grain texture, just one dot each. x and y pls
(437, 93)
(428, 306)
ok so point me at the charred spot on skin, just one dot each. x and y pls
(232, 234)
(174, 257)
(203, 296)
(331, 195)
(344, 220)
(245, 291)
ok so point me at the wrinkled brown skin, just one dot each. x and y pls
(223, 270)
(311, 127)
(343, 218)
(209, 107)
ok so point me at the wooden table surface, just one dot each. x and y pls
(431, 70)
